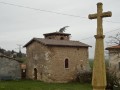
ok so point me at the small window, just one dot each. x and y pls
(81, 67)
(66, 63)
(61, 38)
(119, 65)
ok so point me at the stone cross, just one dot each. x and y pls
(99, 71)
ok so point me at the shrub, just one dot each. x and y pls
(84, 77)
(112, 79)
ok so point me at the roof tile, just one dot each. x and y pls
(53, 42)
(113, 47)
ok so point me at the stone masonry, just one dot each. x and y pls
(9, 68)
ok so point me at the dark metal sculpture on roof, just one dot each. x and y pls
(63, 29)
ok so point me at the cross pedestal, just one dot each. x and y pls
(99, 71)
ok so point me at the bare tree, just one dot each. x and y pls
(114, 62)
(115, 39)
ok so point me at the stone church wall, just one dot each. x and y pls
(50, 62)
(77, 61)
(36, 59)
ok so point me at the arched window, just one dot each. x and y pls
(66, 63)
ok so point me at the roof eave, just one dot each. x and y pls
(111, 48)
(34, 39)
(46, 34)
(65, 45)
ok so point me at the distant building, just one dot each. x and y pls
(56, 58)
(114, 58)
(23, 71)
(9, 68)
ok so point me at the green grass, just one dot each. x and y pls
(38, 85)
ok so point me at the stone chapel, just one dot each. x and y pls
(56, 58)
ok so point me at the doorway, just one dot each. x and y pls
(23, 73)
(35, 74)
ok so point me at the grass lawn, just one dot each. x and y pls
(38, 85)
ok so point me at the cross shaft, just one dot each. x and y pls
(99, 71)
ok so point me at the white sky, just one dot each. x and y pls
(18, 25)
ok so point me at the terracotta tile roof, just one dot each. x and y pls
(113, 47)
(53, 42)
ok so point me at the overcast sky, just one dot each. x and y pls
(20, 24)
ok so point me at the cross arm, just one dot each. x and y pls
(106, 14)
(92, 16)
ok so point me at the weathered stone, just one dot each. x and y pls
(9, 69)
(99, 71)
